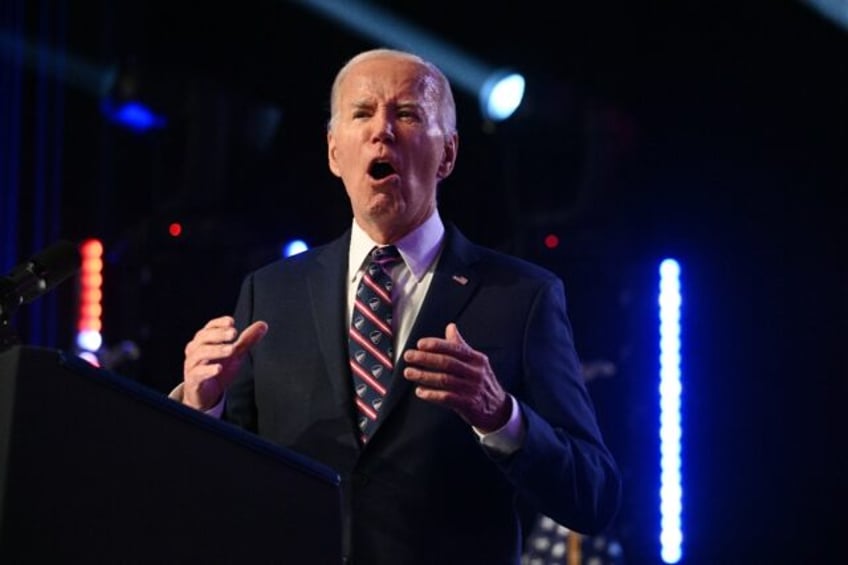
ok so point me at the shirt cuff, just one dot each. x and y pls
(216, 411)
(509, 438)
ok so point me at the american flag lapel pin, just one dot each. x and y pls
(461, 279)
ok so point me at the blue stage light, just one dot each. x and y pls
(501, 95)
(132, 115)
(294, 247)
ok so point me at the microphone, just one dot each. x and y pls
(37, 276)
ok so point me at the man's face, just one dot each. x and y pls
(388, 147)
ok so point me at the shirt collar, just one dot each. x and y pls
(418, 248)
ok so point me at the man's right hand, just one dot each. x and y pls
(213, 358)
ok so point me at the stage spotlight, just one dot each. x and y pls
(501, 95)
(499, 92)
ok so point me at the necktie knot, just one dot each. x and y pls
(385, 256)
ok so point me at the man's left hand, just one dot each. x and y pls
(449, 372)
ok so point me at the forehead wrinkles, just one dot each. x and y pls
(419, 89)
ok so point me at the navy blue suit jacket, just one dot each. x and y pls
(423, 490)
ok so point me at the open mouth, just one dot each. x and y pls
(380, 170)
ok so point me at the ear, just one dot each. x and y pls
(448, 156)
(331, 155)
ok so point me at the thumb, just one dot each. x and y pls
(251, 335)
(452, 334)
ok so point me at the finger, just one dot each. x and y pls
(443, 397)
(467, 353)
(250, 337)
(452, 334)
(430, 379)
(436, 381)
(218, 330)
(199, 347)
(456, 349)
(220, 322)
(440, 362)
(203, 372)
(452, 346)
(210, 352)
(453, 400)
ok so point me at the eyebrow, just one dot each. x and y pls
(358, 104)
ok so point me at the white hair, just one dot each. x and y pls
(446, 104)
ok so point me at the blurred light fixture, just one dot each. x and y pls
(132, 115)
(89, 320)
(294, 247)
(128, 102)
(501, 95)
(175, 229)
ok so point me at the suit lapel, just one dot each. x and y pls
(327, 283)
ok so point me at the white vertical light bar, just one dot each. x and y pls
(671, 490)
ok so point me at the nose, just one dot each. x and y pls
(384, 130)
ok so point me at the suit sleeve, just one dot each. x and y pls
(564, 468)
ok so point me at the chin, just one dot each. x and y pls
(383, 217)
(384, 205)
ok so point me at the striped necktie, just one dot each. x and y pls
(370, 338)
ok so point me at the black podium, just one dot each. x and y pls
(95, 468)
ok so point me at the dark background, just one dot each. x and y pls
(711, 132)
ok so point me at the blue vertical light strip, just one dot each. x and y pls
(10, 134)
(37, 311)
(54, 183)
(671, 489)
(46, 178)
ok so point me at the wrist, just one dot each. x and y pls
(204, 396)
(499, 419)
